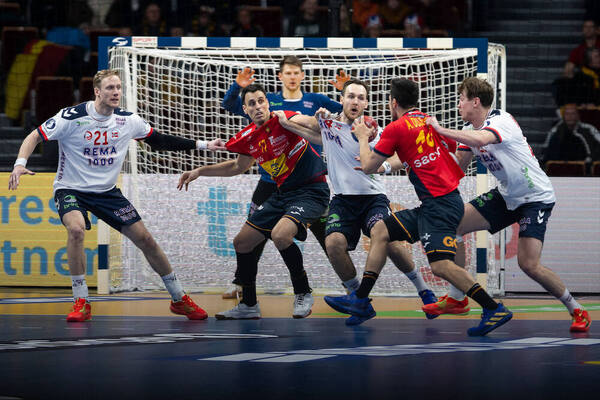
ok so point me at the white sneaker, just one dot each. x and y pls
(233, 292)
(302, 305)
(241, 311)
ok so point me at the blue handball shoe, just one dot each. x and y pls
(428, 297)
(490, 320)
(350, 304)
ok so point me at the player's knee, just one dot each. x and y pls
(241, 245)
(146, 242)
(529, 266)
(281, 239)
(336, 244)
(76, 232)
(439, 267)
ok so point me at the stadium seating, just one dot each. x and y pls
(565, 168)
(14, 40)
(86, 89)
(51, 94)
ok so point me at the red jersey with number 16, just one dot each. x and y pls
(431, 169)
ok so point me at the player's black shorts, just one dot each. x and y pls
(262, 191)
(302, 205)
(111, 206)
(434, 223)
(351, 214)
(532, 217)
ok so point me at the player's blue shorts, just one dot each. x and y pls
(302, 206)
(532, 217)
(351, 214)
(111, 206)
(434, 223)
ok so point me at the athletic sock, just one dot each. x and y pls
(292, 256)
(569, 302)
(80, 289)
(417, 280)
(478, 294)
(352, 284)
(247, 268)
(366, 285)
(455, 293)
(173, 286)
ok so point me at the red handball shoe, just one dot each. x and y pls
(82, 311)
(188, 308)
(581, 321)
(447, 305)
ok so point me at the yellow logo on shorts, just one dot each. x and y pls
(449, 241)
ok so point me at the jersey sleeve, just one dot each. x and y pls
(139, 127)
(232, 101)
(56, 127)
(504, 127)
(332, 105)
(386, 146)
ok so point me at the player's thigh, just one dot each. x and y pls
(343, 221)
(377, 209)
(71, 208)
(305, 205)
(74, 222)
(529, 252)
(402, 225)
(247, 238)
(439, 218)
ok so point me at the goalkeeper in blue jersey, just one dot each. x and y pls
(290, 98)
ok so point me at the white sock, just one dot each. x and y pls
(80, 289)
(417, 280)
(569, 301)
(455, 293)
(173, 286)
(352, 284)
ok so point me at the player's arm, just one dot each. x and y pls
(302, 125)
(469, 137)
(29, 144)
(232, 101)
(370, 161)
(160, 141)
(464, 158)
(226, 168)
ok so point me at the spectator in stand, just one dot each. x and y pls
(374, 27)
(203, 22)
(153, 24)
(577, 56)
(362, 10)
(591, 68)
(584, 87)
(572, 140)
(245, 26)
(393, 13)
(413, 26)
(309, 22)
(441, 16)
(177, 31)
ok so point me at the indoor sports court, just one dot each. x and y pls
(134, 348)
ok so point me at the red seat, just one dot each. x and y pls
(565, 168)
(51, 94)
(14, 40)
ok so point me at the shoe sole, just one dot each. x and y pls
(491, 328)
(441, 312)
(79, 320)
(359, 320)
(336, 307)
(224, 318)
(583, 329)
(297, 316)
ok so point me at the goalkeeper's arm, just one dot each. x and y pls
(159, 141)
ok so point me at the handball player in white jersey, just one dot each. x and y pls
(359, 199)
(524, 195)
(93, 139)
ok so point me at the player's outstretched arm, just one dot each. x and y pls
(29, 144)
(302, 125)
(340, 79)
(226, 168)
(159, 141)
(468, 137)
(232, 101)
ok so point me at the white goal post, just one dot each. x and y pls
(177, 85)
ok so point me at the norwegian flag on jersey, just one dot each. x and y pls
(276, 149)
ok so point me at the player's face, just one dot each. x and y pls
(466, 106)
(354, 101)
(291, 76)
(392, 107)
(256, 106)
(109, 93)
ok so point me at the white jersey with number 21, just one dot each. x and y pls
(91, 146)
(512, 162)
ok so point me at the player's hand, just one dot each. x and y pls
(361, 130)
(216, 144)
(244, 77)
(280, 114)
(340, 79)
(433, 122)
(323, 113)
(186, 178)
(13, 180)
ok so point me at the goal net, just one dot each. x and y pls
(179, 91)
